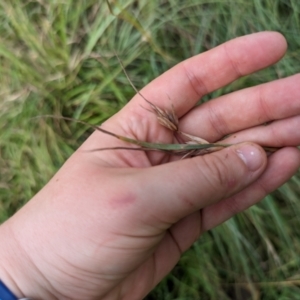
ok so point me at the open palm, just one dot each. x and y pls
(116, 222)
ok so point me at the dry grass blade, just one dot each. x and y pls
(195, 146)
(185, 150)
(192, 148)
(166, 118)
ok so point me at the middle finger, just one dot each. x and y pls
(244, 109)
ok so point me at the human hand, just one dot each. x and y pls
(112, 224)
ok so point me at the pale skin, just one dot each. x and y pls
(112, 224)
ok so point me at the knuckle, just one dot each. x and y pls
(196, 81)
(219, 170)
(218, 173)
(217, 121)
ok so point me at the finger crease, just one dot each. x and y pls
(217, 121)
(264, 106)
(232, 62)
(175, 242)
(197, 84)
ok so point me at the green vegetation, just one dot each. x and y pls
(57, 57)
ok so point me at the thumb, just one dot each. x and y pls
(175, 190)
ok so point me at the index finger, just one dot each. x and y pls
(183, 85)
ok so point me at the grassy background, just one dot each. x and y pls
(57, 57)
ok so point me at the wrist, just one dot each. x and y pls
(17, 272)
(7, 264)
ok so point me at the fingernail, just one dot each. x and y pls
(251, 155)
